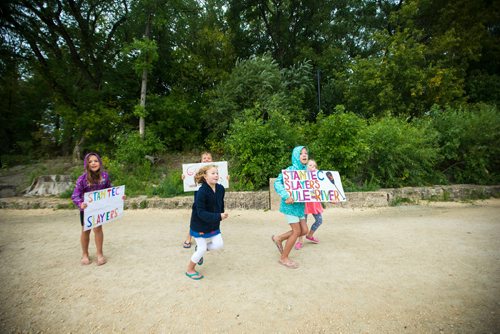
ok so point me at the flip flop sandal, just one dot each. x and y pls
(186, 244)
(192, 276)
(289, 264)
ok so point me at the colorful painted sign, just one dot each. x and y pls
(189, 170)
(103, 206)
(314, 186)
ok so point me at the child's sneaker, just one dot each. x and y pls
(298, 245)
(312, 239)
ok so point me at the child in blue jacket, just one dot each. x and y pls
(207, 213)
(205, 157)
(294, 212)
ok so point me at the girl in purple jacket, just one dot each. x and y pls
(93, 179)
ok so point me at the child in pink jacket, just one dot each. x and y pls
(314, 208)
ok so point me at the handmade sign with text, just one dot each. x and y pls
(189, 170)
(103, 206)
(314, 186)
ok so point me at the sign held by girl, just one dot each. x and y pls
(103, 206)
(314, 186)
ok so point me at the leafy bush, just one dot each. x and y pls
(131, 168)
(337, 143)
(137, 180)
(67, 193)
(260, 149)
(144, 178)
(170, 186)
(401, 153)
(470, 143)
(131, 149)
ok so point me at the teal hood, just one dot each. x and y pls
(296, 164)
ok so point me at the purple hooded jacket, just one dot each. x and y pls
(82, 186)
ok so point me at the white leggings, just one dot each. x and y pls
(204, 244)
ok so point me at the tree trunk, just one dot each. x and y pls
(144, 84)
(143, 101)
(77, 154)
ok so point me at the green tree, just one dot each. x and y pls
(194, 55)
(403, 82)
(72, 46)
(145, 54)
(22, 102)
(258, 84)
(176, 121)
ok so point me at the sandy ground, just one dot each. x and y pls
(413, 269)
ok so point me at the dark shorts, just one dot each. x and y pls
(81, 218)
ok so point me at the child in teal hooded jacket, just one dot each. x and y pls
(294, 212)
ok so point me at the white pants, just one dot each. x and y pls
(204, 244)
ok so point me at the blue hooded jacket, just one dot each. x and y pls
(294, 209)
(207, 207)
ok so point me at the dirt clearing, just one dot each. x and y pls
(411, 269)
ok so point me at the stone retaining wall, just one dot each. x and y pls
(265, 200)
(444, 193)
(233, 200)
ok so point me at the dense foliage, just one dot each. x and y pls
(390, 93)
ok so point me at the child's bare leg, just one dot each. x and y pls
(303, 228)
(303, 231)
(99, 241)
(290, 242)
(191, 271)
(84, 241)
(283, 237)
(187, 241)
(190, 268)
(278, 239)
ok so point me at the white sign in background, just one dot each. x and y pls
(103, 206)
(189, 170)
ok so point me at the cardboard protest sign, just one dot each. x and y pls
(103, 206)
(189, 170)
(314, 186)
